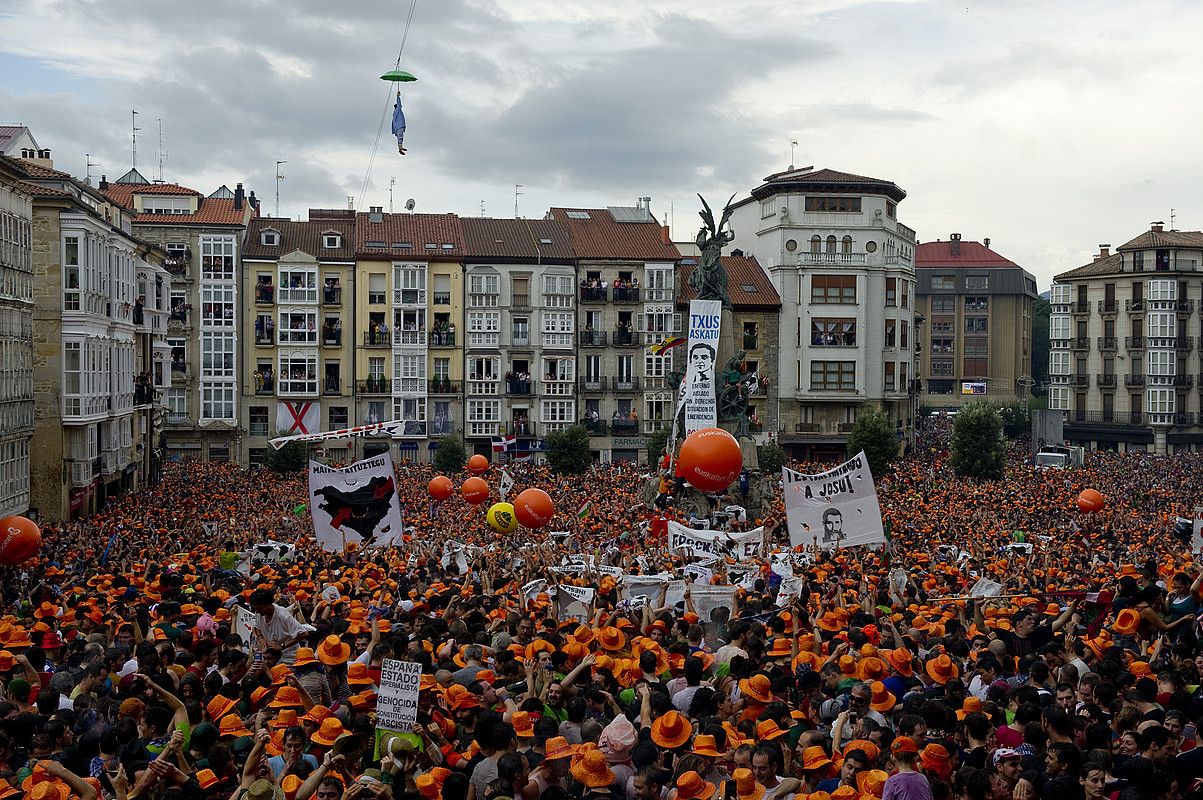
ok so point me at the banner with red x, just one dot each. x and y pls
(299, 417)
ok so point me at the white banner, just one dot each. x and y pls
(707, 598)
(299, 418)
(356, 504)
(531, 590)
(986, 588)
(743, 546)
(701, 575)
(705, 323)
(397, 707)
(838, 507)
(392, 428)
(244, 626)
(790, 588)
(646, 586)
(581, 594)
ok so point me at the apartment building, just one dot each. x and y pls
(626, 285)
(1123, 335)
(297, 290)
(404, 331)
(977, 307)
(520, 310)
(202, 236)
(843, 266)
(16, 337)
(100, 356)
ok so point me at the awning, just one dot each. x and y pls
(432, 446)
(408, 446)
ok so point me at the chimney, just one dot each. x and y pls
(1104, 250)
(239, 197)
(955, 244)
(1156, 227)
(376, 214)
(104, 183)
(665, 236)
(986, 242)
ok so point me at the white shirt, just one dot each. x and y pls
(282, 627)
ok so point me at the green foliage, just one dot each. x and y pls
(1040, 313)
(568, 450)
(977, 444)
(450, 456)
(874, 434)
(656, 444)
(1016, 419)
(292, 457)
(771, 457)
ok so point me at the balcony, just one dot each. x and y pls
(520, 300)
(1080, 343)
(409, 387)
(265, 294)
(332, 295)
(845, 427)
(626, 294)
(1134, 342)
(1107, 344)
(442, 338)
(596, 427)
(178, 267)
(518, 339)
(265, 386)
(332, 339)
(265, 338)
(485, 388)
(558, 388)
(1079, 307)
(1137, 304)
(257, 429)
(806, 427)
(177, 417)
(179, 314)
(442, 298)
(410, 338)
(751, 342)
(593, 383)
(624, 339)
(1185, 381)
(1080, 379)
(624, 427)
(519, 388)
(1108, 306)
(1184, 419)
(523, 428)
(1184, 344)
(1185, 306)
(179, 368)
(478, 430)
(592, 294)
(144, 395)
(377, 384)
(830, 259)
(1105, 381)
(1107, 417)
(628, 383)
(593, 338)
(377, 339)
(332, 386)
(1134, 380)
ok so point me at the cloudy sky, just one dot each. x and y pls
(1049, 127)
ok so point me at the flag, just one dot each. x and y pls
(503, 443)
(666, 345)
(585, 510)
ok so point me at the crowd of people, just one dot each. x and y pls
(128, 670)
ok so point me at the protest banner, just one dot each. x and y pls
(397, 706)
(707, 598)
(636, 586)
(355, 505)
(701, 575)
(838, 507)
(244, 626)
(986, 588)
(790, 589)
(743, 545)
(705, 323)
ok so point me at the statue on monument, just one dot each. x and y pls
(709, 278)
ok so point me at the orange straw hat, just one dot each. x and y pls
(305, 657)
(219, 706)
(357, 674)
(611, 639)
(286, 697)
(287, 718)
(882, 700)
(231, 727)
(746, 787)
(872, 782)
(333, 651)
(768, 730)
(671, 730)
(430, 783)
(815, 758)
(969, 705)
(872, 669)
(329, 732)
(290, 785)
(591, 770)
(758, 687)
(524, 726)
(557, 747)
(205, 777)
(691, 786)
(904, 744)
(1126, 622)
(704, 745)
(941, 669)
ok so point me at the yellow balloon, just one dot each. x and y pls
(501, 518)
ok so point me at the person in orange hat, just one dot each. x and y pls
(293, 760)
(906, 781)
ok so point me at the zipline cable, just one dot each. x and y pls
(387, 101)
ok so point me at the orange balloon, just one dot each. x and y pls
(710, 459)
(441, 487)
(20, 540)
(1090, 501)
(534, 508)
(475, 491)
(478, 465)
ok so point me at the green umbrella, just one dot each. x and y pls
(399, 76)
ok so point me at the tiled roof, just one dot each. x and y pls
(1104, 266)
(971, 254)
(36, 171)
(600, 236)
(212, 211)
(489, 238)
(37, 190)
(417, 230)
(303, 236)
(747, 283)
(1153, 239)
(123, 193)
(801, 180)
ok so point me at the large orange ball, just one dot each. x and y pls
(478, 465)
(534, 508)
(441, 487)
(20, 540)
(475, 491)
(1090, 501)
(710, 459)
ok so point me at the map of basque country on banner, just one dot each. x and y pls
(356, 504)
(838, 508)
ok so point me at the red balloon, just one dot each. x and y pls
(441, 487)
(1090, 501)
(534, 508)
(20, 540)
(478, 465)
(710, 459)
(475, 491)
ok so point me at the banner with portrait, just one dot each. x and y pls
(357, 504)
(836, 508)
(705, 327)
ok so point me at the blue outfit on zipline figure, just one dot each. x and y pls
(399, 125)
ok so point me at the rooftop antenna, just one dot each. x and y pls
(793, 146)
(279, 178)
(161, 153)
(482, 208)
(88, 164)
(350, 202)
(1173, 217)
(133, 123)
(391, 183)
(518, 187)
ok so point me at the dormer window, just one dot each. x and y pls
(332, 241)
(269, 238)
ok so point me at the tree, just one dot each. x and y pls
(568, 450)
(1017, 419)
(450, 456)
(292, 457)
(1040, 314)
(656, 444)
(977, 444)
(874, 434)
(771, 457)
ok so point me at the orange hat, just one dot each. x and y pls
(458, 697)
(704, 745)
(231, 727)
(848, 667)
(316, 714)
(767, 730)
(746, 787)
(333, 651)
(286, 697)
(205, 777)
(290, 785)
(691, 786)
(782, 648)
(969, 705)
(1127, 621)
(611, 639)
(868, 747)
(935, 758)
(671, 730)
(219, 706)
(941, 669)
(524, 726)
(430, 783)
(557, 747)
(7, 661)
(901, 661)
(1140, 669)
(357, 674)
(758, 687)
(305, 656)
(904, 744)
(591, 770)
(329, 731)
(872, 782)
(815, 758)
(882, 700)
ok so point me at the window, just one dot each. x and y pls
(976, 282)
(269, 238)
(1159, 401)
(766, 208)
(833, 375)
(1058, 327)
(557, 291)
(939, 345)
(298, 285)
(520, 331)
(409, 373)
(297, 374)
(941, 367)
(833, 289)
(484, 328)
(1162, 291)
(332, 241)
(172, 204)
(977, 346)
(943, 282)
(376, 292)
(943, 326)
(258, 421)
(656, 366)
(846, 246)
(1058, 362)
(1160, 324)
(375, 412)
(217, 355)
(891, 328)
(845, 205)
(217, 401)
(904, 341)
(891, 209)
(442, 369)
(558, 328)
(891, 292)
(906, 294)
(411, 409)
(409, 285)
(298, 327)
(442, 290)
(977, 304)
(659, 284)
(217, 307)
(559, 412)
(831, 242)
(974, 368)
(889, 376)
(943, 305)
(1138, 261)
(339, 418)
(484, 368)
(177, 403)
(483, 290)
(816, 244)
(483, 417)
(1161, 362)
(71, 273)
(217, 261)
(975, 324)
(558, 369)
(833, 333)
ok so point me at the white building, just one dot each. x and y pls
(844, 267)
(16, 338)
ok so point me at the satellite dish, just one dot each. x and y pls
(410, 204)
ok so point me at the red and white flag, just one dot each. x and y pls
(301, 417)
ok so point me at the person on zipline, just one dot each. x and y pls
(399, 124)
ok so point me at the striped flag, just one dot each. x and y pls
(585, 510)
(503, 443)
(666, 345)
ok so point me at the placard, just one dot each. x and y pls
(397, 707)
